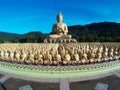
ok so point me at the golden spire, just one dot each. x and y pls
(59, 14)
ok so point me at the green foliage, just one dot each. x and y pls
(1, 40)
(96, 32)
(32, 37)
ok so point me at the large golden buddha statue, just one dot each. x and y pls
(59, 30)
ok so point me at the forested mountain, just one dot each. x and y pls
(95, 32)
(103, 31)
(8, 37)
(34, 37)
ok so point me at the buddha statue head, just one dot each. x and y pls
(59, 17)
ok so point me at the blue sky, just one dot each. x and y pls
(22, 16)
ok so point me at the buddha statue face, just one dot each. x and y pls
(59, 17)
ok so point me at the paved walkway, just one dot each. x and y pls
(64, 84)
(117, 73)
(89, 77)
(4, 78)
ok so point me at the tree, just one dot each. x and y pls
(1, 40)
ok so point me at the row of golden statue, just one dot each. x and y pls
(55, 50)
(60, 54)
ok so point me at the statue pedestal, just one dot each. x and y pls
(57, 36)
(60, 40)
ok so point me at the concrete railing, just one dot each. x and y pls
(59, 71)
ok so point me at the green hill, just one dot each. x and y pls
(33, 37)
(103, 31)
(95, 32)
(8, 37)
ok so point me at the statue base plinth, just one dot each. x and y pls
(60, 40)
(57, 36)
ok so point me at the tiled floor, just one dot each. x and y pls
(14, 84)
(112, 81)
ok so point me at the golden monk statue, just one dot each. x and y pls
(59, 30)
